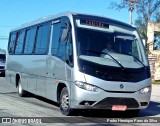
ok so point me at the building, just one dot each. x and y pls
(153, 34)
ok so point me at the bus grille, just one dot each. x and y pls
(110, 101)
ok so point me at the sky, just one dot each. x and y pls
(13, 13)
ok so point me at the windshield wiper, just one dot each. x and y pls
(98, 52)
(135, 59)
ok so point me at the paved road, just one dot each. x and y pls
(11, 105)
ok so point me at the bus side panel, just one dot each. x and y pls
(39, 63)
(51, 88)
(24, 81)
(56, 74)
(41, 85)
(35, 70)
(10, 77)
(12, 66)
(32, 70)
(32, 86)
(59, 70)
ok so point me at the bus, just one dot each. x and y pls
(62, 58)
(2, 62)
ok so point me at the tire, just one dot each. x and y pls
(21, 92)
(64, 103)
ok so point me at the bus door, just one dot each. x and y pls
(61, 54)
(56, 61)
(65, 52)
(61, 49)
(67, 37)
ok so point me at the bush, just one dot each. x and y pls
(156, 82)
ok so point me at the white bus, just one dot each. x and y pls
(63, 58)
(2, 62)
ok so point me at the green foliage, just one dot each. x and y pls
(156, 82)
(147, 11)
(157, 17)
(118, 5)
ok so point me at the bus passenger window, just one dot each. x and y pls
(29, 43)
(19, 42)
(42, 40)
(12, 43)
(69, 53)
(55, 38)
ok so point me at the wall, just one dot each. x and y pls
(154, 54)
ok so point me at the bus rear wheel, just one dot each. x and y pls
(21, 92)
(64, 102)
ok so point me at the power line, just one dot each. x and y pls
(7, 26)
(3, 38)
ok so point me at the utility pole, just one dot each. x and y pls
(131, 8)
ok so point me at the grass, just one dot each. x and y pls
(156, 82)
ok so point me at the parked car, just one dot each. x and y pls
(2, 62)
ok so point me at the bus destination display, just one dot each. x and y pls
(94, 23)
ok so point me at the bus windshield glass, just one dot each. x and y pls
(99, 46)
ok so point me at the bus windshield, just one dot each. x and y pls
(97, 46)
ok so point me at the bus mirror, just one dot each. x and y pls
(64, 35)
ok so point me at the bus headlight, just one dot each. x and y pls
(145, 90)
(86, 86)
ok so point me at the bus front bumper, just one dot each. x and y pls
(83, 99)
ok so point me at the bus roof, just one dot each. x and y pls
(70, 14)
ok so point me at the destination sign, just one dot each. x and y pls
(94, 23)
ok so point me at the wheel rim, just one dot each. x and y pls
(65, 102)
(20, 88)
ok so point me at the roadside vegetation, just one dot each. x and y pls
(156, 82)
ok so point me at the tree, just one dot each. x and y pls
(147, 11)
(157, 17)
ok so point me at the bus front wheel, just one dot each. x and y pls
(64, 102)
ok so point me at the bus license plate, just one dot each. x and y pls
(119, 107)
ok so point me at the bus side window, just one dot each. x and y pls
(30, 39)
(12, 41)
(19, 42)
(55, 37)
(66, 41)
(134, 49)
(69, 52)
(42, 40)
